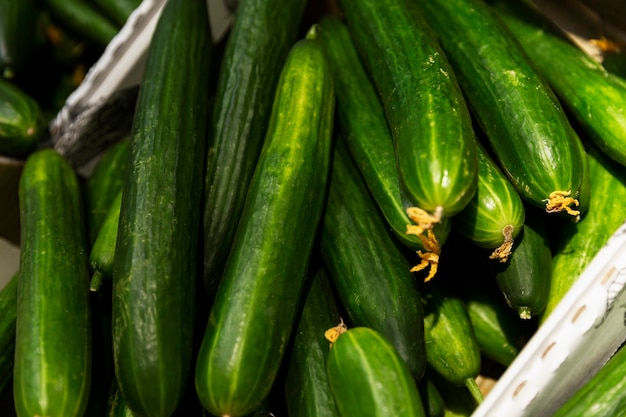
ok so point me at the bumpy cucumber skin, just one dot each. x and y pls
(256, 302)
(429, 120)
(307, 390)
(52, 373)
(20, 121)
(368, 377)
(155, 258)
(370, 273)
(256, 50)
(362, 120)
(496, 206)
(8, 306)
(594, 97)
(528, 131)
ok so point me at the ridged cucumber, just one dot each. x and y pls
(256, 302)
(8, 306)
(52, 373)
(528, 131)
(368, 377)
(154, 274)
(21, 123)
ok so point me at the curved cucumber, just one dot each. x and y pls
(368, 377)
(528, 131)
(256, 302)
(102, 254)
(8, 306)
(21, 124)
(155, 254)
(52, 373)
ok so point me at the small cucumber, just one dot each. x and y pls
(431, 398)
(369, 272)
(117, 10)
(8, 306)
(83, 19)
(154, 274)
(307, 390)
(17, 35)
(21, 124)
(102, 254)
(368, 377)
(528, 131)
(256, 302)
(52, 373)
(434, 140)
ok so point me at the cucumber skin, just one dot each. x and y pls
(84, 19)
(594, 97)
(436, 155)
(368, 377)
(307, 390)
(155, 256)
(21, 124)
(102, 254)
(52, 373)
(256, 301)
(364, 127)
(256, 50)
(537, 148)
(8, 306)
(360, 255)
(17, 36)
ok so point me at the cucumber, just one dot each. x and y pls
(524, 123)
(431, 398)
(21, 123)
(17, 36)
(52, 373)
(435, 145)
(255, 51)
(102, 254)
(83, 19)
(8, 305)
(155, 255)
(603, 394)
(363, 124)
(256, 302)
(574, 245)
(496, 214)
(104, 183)
(368, 377)
(307, 391)
(525, 280)
(452, 350)
(369, 272)
(117, 10)
(592, 95)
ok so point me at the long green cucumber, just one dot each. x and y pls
(117, 10)
(255, 52)
(427, 114)
(21, 120)
(154, 274)
(256, 301)
(528, 131)
(52, 373)
(102, 254)
(594, 97)
(17, 35)
(576, 244)
(83, 19)
(364, 126)
(8, 307)
(496, 214)
(370, 273)
(307, 390)
(369, 378)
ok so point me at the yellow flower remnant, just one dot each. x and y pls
(561, 200)
(423, 220)
(333, 333)
(503, 251)
(430, 257)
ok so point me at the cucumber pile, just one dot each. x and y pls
(365, 208)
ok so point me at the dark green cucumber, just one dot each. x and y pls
(431, 398)
(8, 306)
(83, 19)
(603, 395)
(52, 373)
(593, 96)
(527, 129)
(117, 10)
(496, 214)
(255, 52)
(370, 273)
(307, 391)
(452, 350)
(17, 35)
(427, 114)
(21, 124)
(102, 254)
(154, 274)
(362, 120)
(104, 183)
(256, 302)
(369, 378)
(575, 245)
(525, 280)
